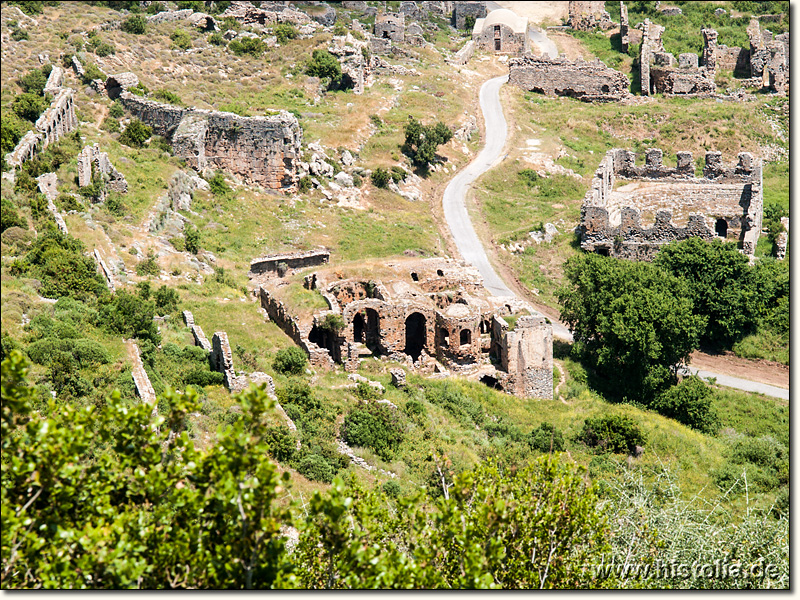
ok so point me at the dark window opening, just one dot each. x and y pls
(491, 382)
(444, 338)
(602, 251)
(415, 335)
(372, 334)
(465, 337)
(358, 328)
(497, 44)
(440, 273)
(414, 277)
(605, 89)
(386, 35)
(486, 327)
(721, 228)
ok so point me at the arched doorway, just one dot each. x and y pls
(416, 334)
(372, 333)
(465, 337)
(721, 227)
(358, 328)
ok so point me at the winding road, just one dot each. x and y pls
(471, 248)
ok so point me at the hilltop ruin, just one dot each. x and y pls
(631, 210)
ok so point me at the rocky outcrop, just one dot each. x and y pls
(261, 151)
(590, 81)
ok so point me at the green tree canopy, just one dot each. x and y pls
(324, 65)
(422, 140)
(631, 321)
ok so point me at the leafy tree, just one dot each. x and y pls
(547, 438)
(129, 315)
(135, 134)
(631, 322)
(135, 24)
(718, 277)
(290, 361)
(422, 141)
(33, 82)
(611, 433)
(324, 65)
(285, 32)
(142, 506)
(690, 403)
(29, 106)
(11, 131)
(10, 217)
(166, 300)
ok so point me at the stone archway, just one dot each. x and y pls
(416, 335)
(358, 328)
(372, 331)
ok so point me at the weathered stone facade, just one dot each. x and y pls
(586, 16)
(261, 151)
(462, 10)
(57, 120)
(390, 26)
(561, 77)
(434, 315)
(627, 34)
(48, 185)
(502, 32)
(661, 75)
(769, 57)
(116, 84)
(89, 159)
(269, 266)
(462, 56)
(657, 204)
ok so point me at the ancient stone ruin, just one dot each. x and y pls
(261, 151)
(90, 160)
(463, 10)
(627, 34)
(769, 57)
(433, 315)
(56, 121)
(662, 74)
(586, 16)
(280, 265)
(501, 31)
(631, 210)
(390, 26)
(590, 81)
(48, 186)
(116, 84)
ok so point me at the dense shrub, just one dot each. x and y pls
(376, 426)
(33, 82)
(85, 352)
(298, 394)
(135, 134)
(216, 39)
(166, 300)
(19, 34)
(282, 445)
(116, 111)
(105, 49)
(502, 429)
(135, 24)
(203, 377)
(315, 468)
(690, 403)
(29, 106)
(290, 361)
(167, 96)
(253, 46)
(380, 177)
(219, 187)
(422, 141)
(324, 65)
(181, 39)
(129, 315)
(285, 32)
(192, 239)
(455, 401)
(547, 438)
(148, 267)
(9, 217)
(392, 489)
(612, 433)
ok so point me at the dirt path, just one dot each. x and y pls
(727, 363)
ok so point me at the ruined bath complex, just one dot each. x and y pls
(432, 315)
(631, 210)
(262, 151)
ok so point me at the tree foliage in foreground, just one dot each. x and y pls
(631, 321)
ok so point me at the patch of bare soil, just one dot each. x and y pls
(571, 47)
(727, 363)
(539, 12)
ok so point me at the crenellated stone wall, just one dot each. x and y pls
(631, 210)
(590, 81)
(261, 151)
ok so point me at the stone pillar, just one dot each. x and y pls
(710, 50)
(624, 26)
(685, 163)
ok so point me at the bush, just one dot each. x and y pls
(148, 267)
(135, 134)
(324, 65)
(203, 377)
(613, 433)
(92, 72)
(29, 106)
(253, 46)
(192, 239)
(298, 394)
(315, 468)
(166, 299)
(19, 34)
(33, 82)
(547, 438)
(290, 361)
(135, 24)
(304, 184)
(282, 445)
(216, 39)
(84, 352)
(285, 32)
(9, 217)
(180, 39)
(375, 426)
(333, 323)
(398, 174)
(380, 178)
(178, 243)
(392, 489)
(105, 49)
(129, 315)
(116, 111)
(422, 141)
(115, 205)
(111, 125)
(452, 399)
(219, 187)
(414, 407)
(690, 403)
(367, 392)
(167, 96)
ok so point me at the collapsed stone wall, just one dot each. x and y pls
(261, 150)
(661, 75)
(463, 56)
(91, 158)
(586, 16)
(48, 185)
(627, 34)
(526, 356)
(56, 121)
(592, 81)
(55, 80)
(390, 27)
(461, 10)
(268, 266)
(726, 202)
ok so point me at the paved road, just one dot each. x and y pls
(471, 249)
(455, 209)
(542, 41)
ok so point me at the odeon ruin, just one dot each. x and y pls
(432, 315)
(631, 210)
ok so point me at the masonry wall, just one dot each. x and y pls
(588, 15)
(526, 354)
(510, 42)
(560, 77)
(461, 10)
(268, 265)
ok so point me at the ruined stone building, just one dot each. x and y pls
(628, 35)
(631, 210)
(390, 26)
(431, 315)
(262, 151)
(503, 32)
(355, 68)
(586, 16)
(662, 74)
(464, 10)
(590, 81)
(92, 160)
(769, 57)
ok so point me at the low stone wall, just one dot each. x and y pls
(463, 56)
(267, 266)
(680, 82)
(107, 273)
(48, 185)
(561, 77)
(141, 381)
